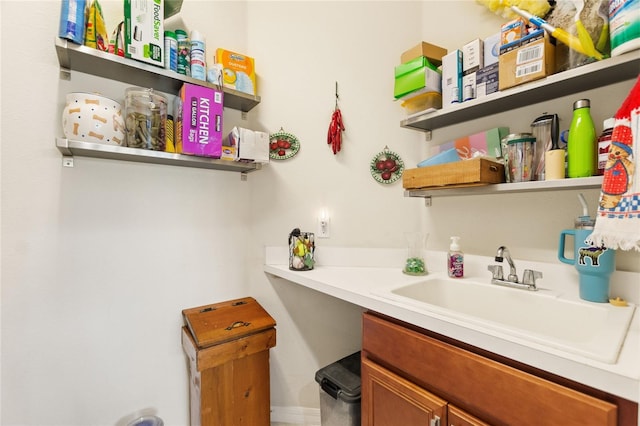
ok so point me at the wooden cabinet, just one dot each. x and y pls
(458, 417)
(413, 365)
(389, 400)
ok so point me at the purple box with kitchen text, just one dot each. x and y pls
(199, 131)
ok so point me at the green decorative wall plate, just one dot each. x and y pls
(386, 166)
(283, 145)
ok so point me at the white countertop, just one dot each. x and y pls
(354, 275)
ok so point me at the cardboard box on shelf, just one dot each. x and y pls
(198, 114)
(487, 80)
(246, 145)
(144, 31)
(468, 86)
(491, 49)
(472, 60)
(238, 71)
(472, 56)
(430, 51)
(229, 153)
(452, 78)
(416, 75)
(530, 58)
(513, 31)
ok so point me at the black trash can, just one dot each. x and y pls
(340, 392)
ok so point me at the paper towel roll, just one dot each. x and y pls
(554, 164)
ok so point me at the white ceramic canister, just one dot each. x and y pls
(90, 117)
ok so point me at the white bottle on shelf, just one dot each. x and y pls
(198, 62)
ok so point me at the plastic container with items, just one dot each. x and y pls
(145, 118)
(340, 392)
(422, 102)
(521, 149)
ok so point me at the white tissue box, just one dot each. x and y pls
(247, 145)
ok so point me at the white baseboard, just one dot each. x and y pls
(296, 415)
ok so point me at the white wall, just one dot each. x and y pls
(99, 260)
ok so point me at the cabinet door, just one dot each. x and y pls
(491, 390)
(390, 400)
(458, 417)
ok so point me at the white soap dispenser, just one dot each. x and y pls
(455, 259)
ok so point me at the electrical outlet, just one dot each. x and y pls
(323, 227)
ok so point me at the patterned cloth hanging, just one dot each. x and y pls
(618, 218)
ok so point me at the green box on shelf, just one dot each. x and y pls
(415, 75)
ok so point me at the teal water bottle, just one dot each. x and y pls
(581, 146)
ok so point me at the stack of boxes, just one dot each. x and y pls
(471, 72)
(511, 57)
(418, 82)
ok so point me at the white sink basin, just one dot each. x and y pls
(592, 330)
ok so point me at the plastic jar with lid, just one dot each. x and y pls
(145, 118)
(520, 151)
(603, 143)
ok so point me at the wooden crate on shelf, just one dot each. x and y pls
(474, 172)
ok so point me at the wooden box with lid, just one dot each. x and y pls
(227, 345)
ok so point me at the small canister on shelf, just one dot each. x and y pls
(170, 51)
(145, 118)
(520, 148)
(184, 53)
(603, 143)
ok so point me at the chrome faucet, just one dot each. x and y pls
(528, 278)
(504, 252)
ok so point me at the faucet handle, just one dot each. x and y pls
(496, 270)
(529, 277)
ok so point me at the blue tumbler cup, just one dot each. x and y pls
(594, 264)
